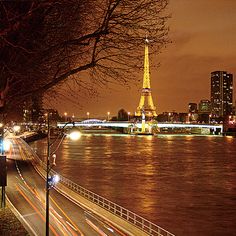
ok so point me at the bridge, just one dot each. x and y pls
(138, 125)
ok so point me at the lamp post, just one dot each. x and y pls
(3, 166)
(128, 115)
(47, 171)
(88, 115)
(108, 116)
(51, 181)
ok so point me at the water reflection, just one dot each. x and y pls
(179, 182)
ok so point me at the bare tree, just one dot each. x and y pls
(44, 43)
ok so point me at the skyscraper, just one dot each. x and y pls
(221, 93)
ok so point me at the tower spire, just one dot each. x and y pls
(146, 103)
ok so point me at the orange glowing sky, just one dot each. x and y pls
(203, 35)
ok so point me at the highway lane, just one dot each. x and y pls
(26, 200)
(26, 190)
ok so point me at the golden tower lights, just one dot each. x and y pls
(146, 103)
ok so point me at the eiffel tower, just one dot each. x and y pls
(146, 106)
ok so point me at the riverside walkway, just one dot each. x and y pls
(74, 210)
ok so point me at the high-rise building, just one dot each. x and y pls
(221, 93)
(27, 113)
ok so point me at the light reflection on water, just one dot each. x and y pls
(186, 184)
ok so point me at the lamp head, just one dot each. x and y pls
(54, 159)
(53, 180)
(56, 179)
(74, 134)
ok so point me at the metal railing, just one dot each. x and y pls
(129, 216)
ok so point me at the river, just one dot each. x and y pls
(185, 184)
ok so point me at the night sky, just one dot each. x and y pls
(203, 35)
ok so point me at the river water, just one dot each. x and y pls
(185, 184)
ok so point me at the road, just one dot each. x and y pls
(26, 191)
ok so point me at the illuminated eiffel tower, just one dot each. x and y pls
(146, 106)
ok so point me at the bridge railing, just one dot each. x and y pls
(127, 215)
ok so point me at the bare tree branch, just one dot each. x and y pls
(44, 43)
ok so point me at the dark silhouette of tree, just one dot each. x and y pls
(44, 43)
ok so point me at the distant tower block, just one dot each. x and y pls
(146, 103)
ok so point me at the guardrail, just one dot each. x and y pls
(129, 216)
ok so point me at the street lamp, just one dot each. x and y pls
(128, 115)
(65, 114)
(74, 134)
(88, 114)
(169, 114)
(108, 116)
(53, 180)
(210, 118)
